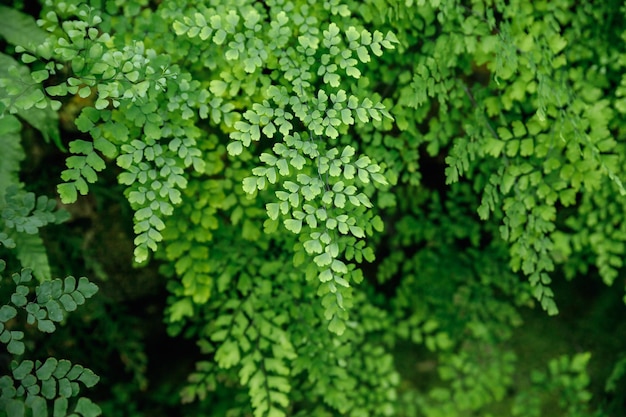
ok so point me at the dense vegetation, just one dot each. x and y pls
(313, 208)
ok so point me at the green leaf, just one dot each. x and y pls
(557, 43)
(46, 369)
(15, 408)
(526, 147)
(101, 103)
(219, 37)
(152, 131)
(20, 29)
(272, 210)
(250, 185)
(313, 246)
(75, 372)
(63, 367)
(23, 369)
(180, 309)
(65, 387)
(323, 260)
(49, 388)
(337, 326)
(67, 192)
(87, 408)
(228, 354)
(235, 148)
(60, 406)
(89, 378)
(87, 288)
(16, 346)
(579, 362)
(293, 225)
(68, 302)
(494, 147)
(40, 76)
(46, 326)
(9, 124)
(84, 92)
(180, 28)
(7, 313)
(32, 254)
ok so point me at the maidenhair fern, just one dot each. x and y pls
(48, 386)
(33, 388)
(270, 150)
(21, 213)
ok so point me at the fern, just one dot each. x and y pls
(269, 149)
(22, 214)
(38, 386)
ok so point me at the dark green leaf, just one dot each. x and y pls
(89, 378)
(49, 389)
(87, 408)
(45, 371)
(60, 407)
(7, 313)
(38, 406)
(15, 408)
(23, 369)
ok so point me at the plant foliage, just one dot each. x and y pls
(326, 181)
(49, 385)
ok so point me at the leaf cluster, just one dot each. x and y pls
(269, 149)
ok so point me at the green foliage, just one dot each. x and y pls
(54, 298)
(21, 212)
(34, 385)
(33, 388)
(567, 377)
(270, 150)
